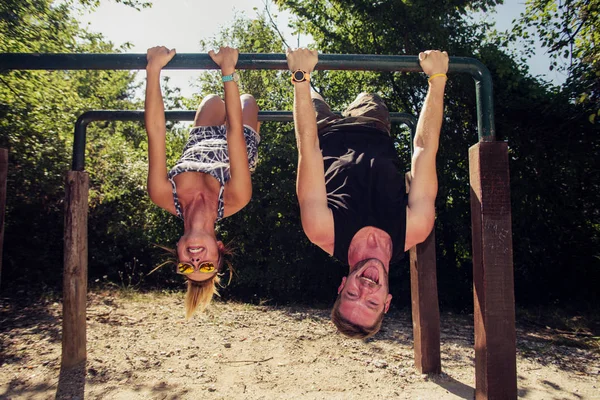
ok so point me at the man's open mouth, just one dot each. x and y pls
(371, 274)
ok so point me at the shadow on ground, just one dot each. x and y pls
(24, 321)
(71, 382)
(454, 386)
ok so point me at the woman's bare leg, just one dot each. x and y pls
(250, 112)
(211, 111)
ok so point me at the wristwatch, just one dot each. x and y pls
(232, 77)
(300, 76)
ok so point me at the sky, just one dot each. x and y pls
(176, 23)
(183, 23)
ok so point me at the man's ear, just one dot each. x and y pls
(221, 246)
(388, 301)
(342, 285)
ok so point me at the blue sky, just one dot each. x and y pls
(182, 23)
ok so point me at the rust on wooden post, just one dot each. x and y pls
(3, 178)
(425, 307)
(493, 280)
(75, 269)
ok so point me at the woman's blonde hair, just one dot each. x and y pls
(199, 294)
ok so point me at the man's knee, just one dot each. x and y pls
(370, 97)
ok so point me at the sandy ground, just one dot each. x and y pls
(140, 347)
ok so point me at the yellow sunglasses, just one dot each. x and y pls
(186, 268)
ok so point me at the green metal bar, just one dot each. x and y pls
(191, 61)
(178, 115)
(358, 62)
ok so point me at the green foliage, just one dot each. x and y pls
(568, 30)
(91, 4)
(38, 110)
(386, 26)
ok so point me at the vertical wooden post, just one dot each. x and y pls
(425, 307)
(493, 281)
(75, 269)
(3, 177)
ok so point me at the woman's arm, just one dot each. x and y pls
(239, 187)
(159, 187)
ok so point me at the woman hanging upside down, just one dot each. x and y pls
(211, 180)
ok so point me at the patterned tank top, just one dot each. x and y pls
(206, 151)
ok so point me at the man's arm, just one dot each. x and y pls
(420, 213)
(317, 219)
(159, 187)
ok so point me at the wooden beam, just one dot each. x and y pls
(425, 307)
(493, 281)
(3, 178)
(75, 269)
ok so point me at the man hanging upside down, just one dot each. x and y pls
(351, 186)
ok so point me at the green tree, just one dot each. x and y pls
(568, 30)
(38, 110)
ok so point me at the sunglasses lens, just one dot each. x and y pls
(185, 268)
(207, 267)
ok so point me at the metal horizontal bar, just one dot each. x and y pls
(358, 62)
(188, 115)
(194, 61)
(181, 115)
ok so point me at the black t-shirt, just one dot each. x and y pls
(365, 186)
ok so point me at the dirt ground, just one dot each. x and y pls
(140, 347)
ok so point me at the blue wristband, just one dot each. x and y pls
(232, 77)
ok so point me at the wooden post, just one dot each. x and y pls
(425, 307)
(3, 177)
(493, 281)
(75, 269)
